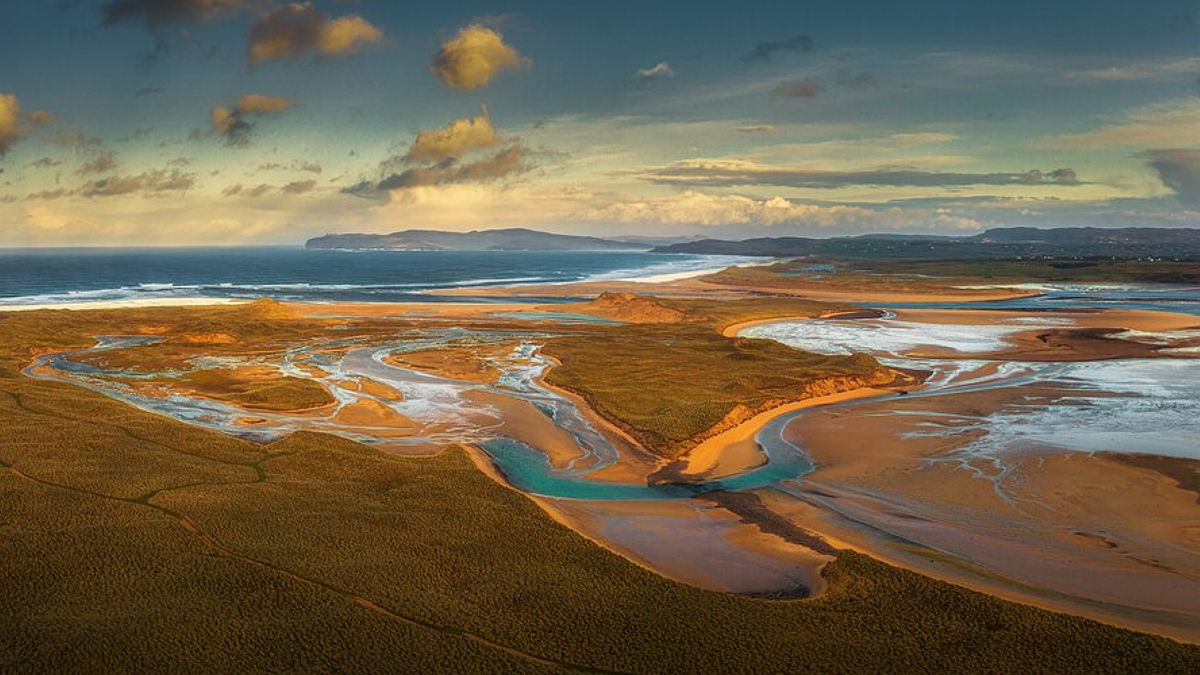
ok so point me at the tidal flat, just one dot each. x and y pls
(708, 458)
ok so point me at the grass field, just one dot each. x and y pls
(259, 389)
(724, 313)
(131, 542)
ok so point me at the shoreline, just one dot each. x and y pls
(645, 275)
(86, 305)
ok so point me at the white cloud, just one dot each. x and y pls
(658, 70)
(1164, 125)
(691, 207)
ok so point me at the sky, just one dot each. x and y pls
(228, 122)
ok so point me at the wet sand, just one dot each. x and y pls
(1064, 530)
(690, 541)
(735, 450)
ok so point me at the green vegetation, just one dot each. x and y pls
(261, 391)
(132, 542)
(666, 385)
(933, 276)
(1048, 270)
(724, 313)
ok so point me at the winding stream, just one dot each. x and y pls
(1135, 405)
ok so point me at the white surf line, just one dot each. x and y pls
(125, 304)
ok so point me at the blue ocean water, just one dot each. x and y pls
(146, 275)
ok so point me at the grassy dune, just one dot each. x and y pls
(668, 385)
(724, 313)
(260, 391)
(133, 542)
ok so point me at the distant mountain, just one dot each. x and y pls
(656, 241)
(994, 244)
(513, 239)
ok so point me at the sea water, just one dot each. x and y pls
(50, 277)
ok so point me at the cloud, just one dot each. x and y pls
(10, 119)
(765, 51)
(757, 129)
(41, 118)
(299, 187)
(507, 162)
(298, 165)
(233, 122)
(659, 70)
(75, 140)
(45, 163)
(160, 180)
(510, 161)
(727, 173)
(46, 195)
(238, 190)
(102, 163)
(298, 29)
(294, 188)
(260, 103)
(808, 88)
(473, 57)
(1179, 169)
(156, 13)
(1140, 70)
(1150, 127)
(691, 207)
(14, 125)
(453, 140)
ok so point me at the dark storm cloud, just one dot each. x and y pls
(1179, 170)
(765, 51)
(736, 174)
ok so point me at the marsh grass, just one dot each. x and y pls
(132, 542)
(668, 384)
(934, 276)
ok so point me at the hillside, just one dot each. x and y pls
(513, 239)
(993, 244)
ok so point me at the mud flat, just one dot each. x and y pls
(1093, 534)
(1011, 471)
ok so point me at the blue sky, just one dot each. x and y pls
(164, 125)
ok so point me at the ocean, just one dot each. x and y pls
(81, 277)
